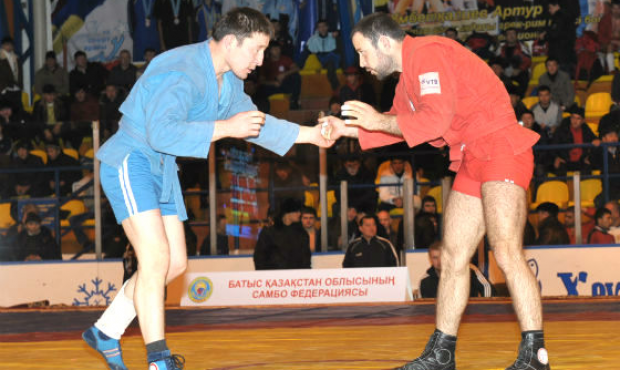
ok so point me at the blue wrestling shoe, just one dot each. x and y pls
(170, 362)
(108, 347)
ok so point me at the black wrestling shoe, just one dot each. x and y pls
(532, 353)
(438, 354)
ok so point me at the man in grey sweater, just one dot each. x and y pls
(562, 90)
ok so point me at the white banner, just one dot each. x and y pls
(254, 288)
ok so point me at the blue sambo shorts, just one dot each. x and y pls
(132, 188)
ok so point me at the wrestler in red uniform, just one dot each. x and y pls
(448, 96)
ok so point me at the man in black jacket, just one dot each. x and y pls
(573, 130)
(479, 285)
(370, 250)
(550, 229)
(561, 35)
(286, 244)
(36, 242)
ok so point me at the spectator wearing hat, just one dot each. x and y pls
(36, 242)
(52, 74)
(11, 76)
(550, 229)
(608, 136)
(573, 130)
(26, 183)
(279, 74)
(285, 244)
(49, 113)
(356, 88)
(56, 158)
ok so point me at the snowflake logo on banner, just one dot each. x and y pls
(96, 296)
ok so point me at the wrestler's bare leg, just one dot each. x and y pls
(463, 230)
(505, 214)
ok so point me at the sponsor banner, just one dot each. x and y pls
(253, 288)
(572, 271)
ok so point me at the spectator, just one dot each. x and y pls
(614, 229)
(354, 173)
(11, 76)
(425, 232)
(600, 233)
(370, 250)
(36, 242)
(279, 74)
(481, 43)
(613, 160)
(479, 286)
(84, 108)
(109, 113)
(392, 196)
(498, 65)
(251, 88)
(308, 221)
(26, 183)
(385, 220)
(124, 73)
(89, 75)
(562, 90)
(56, 158)
(286, 244)
(9, 241)
(52, 74)
(221, 239)
(50, 112)
(540, 156)
(547, 113)
(514, 51)
(355, 88)
(323, 45)
(550, 230)
(334, 235)
(149, 54)
(610, 121)
(335, 107)
(560, 35)
(207, 13)
(609, 35)
(573, 130)
(283, 37)
(286, 176)
(515, 100)
(174, 23)
(453, 33)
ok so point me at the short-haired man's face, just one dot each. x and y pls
(511, 37)
(543, 215)
(352, 167)
(149, 55)
(569, 219)
(604, 221)
(435, 257)
(429, 207)
(243, 57)
(125, 58)
(576, 120)
(385, 220)
(553, 8)
(33, 227)
(52, 152)
(528, 120)
(398, 166)
(544, 97)
(6, 112)
(81, 61)
(307, 220)
(351, 214)
(368, 227)
(552, 67)
(451, 35)
(8, 46)
(322, 28)
(49, 97)
(610, 137)
(50, 63)
(111, 92)
(371, 58)
(22, 153)
(80, 95)
(614, 209)
(275, 52)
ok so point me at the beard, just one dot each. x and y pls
(385, 66)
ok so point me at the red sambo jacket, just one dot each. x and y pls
(448, 95)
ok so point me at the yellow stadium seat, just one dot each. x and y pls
(529, 101)
(71, 152)
(26, 102)
(331, 199)
(589, 189)
(5, 216)
(41, 154)
(593, 127)
(552, 191)
(436, 193)
(539, 70)
(90, 153)
(75, 207)
(597, 105)
(312, 63)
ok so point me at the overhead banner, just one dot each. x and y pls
(288, 287)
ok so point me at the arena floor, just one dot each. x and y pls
(580, 333)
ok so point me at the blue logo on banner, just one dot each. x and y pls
(94, 296)
(200, 289)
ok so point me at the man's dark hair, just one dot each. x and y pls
(451, 29)
(600, 213)
(79, 53)
(376, 25)
(7, 40)
(553, 2)
(551, 208)
(308, 211)
(427, 199)
(368, 217)
(242, 23)
(551, 59)
(543, 88)
(527, 111)
(50, 55)
(149, 50)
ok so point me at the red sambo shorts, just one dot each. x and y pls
(492, 158)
